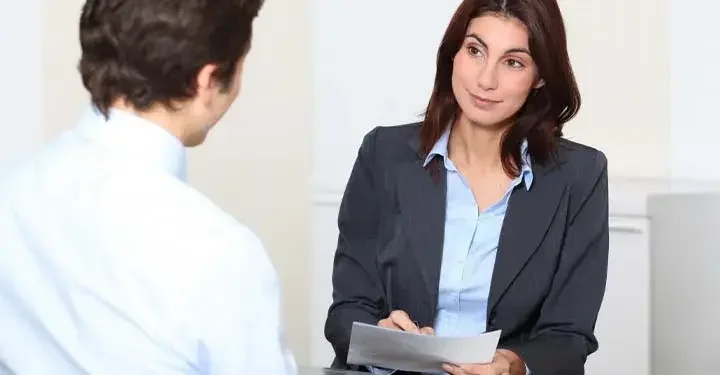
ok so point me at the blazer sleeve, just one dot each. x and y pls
(357, 290)
(563, 336)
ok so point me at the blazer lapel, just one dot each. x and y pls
(421, 195)
(528, 217)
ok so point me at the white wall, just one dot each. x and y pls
(691, 32)
(64, 97)
(367, 75)
(20, 128)
(620, 54)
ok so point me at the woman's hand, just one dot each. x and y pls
(502, 364)
(400, 320)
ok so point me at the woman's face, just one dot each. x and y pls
(493, 72)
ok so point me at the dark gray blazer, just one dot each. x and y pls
(551, 264)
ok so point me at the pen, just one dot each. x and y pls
(388, 289)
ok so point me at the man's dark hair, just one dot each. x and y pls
(150, 51)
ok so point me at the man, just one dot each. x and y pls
(109, 262)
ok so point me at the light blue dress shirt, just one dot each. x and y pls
(469, 250)
(111, 264)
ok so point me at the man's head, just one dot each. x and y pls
(175, 62)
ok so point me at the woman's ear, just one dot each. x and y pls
(540, 83)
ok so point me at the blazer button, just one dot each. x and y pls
(493, 321)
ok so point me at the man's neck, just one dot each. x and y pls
(160, 116)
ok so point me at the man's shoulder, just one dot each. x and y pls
(121, 198)
(211, 221)
(166, 224)
(24, 173)
(177, 204)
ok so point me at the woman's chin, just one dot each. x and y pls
(489, 120)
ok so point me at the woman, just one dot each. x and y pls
(481, 217)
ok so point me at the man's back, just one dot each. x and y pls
(111, 264)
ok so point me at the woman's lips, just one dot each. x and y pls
(483, 102)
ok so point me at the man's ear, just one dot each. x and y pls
(206, 82)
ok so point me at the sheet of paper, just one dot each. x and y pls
(398, 350)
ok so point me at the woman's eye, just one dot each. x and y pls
(514, 64)
(474, 50)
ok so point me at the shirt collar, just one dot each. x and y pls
(440, 148)
(138, 139)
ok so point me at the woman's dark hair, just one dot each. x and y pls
(546, 110)
(150, 51)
